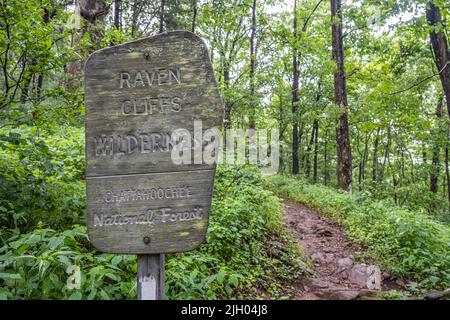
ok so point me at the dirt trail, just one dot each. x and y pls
(335, 273)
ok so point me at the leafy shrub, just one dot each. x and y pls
(235, 261)
(34, 265)
(404, 242)
(40, 178)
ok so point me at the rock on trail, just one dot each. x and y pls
(336, 275)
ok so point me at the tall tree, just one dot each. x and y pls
(344, 154)
(117, 4)
(194, 15)
(316, 152)
(375, 156)
(295, 85)
(436, 151)
(223, 24)
(252, 67)
(92, 12)
(439, 42)
(447, 171)
(161, 16)
(28, 41)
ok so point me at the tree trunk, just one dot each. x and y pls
(375, 157)
(194, 15)
(134, 18)
(302, 135)
(344, 155)
(117, 14)
(316, 151)
(394, 178)
(363, 163)
(281, 131)
(295, 85)
(447, 169)
(92, 11)
(226, 81)
(447, 174)
(309, 148)
(434, 177)
(387, 152)
(25, 88)
(161, 16)
(252, 67)
(441, 51)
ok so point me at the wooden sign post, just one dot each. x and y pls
(145, 194)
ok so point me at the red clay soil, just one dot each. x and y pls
(330, 253)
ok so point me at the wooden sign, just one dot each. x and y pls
(139, 200)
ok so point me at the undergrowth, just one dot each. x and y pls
(405, 243)
(44, 246)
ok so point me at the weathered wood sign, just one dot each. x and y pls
(137, 94)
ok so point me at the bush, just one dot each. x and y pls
(234, 262)
(41, 178)
(406, 243)
(37, 265)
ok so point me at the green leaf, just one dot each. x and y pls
(10, 276)
(55, 242)
(75, 296)
(220, 276)
(116, 260)
(234, 280)
(92, 294)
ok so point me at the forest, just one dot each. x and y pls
(358, 92)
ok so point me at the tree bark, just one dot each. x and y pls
(295, 85)
(194, 15)
(439, 42)
(387, 152)
(25, 87)
(134, 18)
(227, 116)
(309, 148)
(92, 11)
(252, 67)
(447, 173)
(344, 155)
(161, 16)
(375, 156)
(117, 4)
(316, 151)
(434, 177)
(447, 169)
(281, 131)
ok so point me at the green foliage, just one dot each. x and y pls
(29, 40)
(41, 178)
(35, 265)
(392, 295)
(395, 132)
(237, 259)
(406, 243)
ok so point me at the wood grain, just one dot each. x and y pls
(136, 94)
(198, 97)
